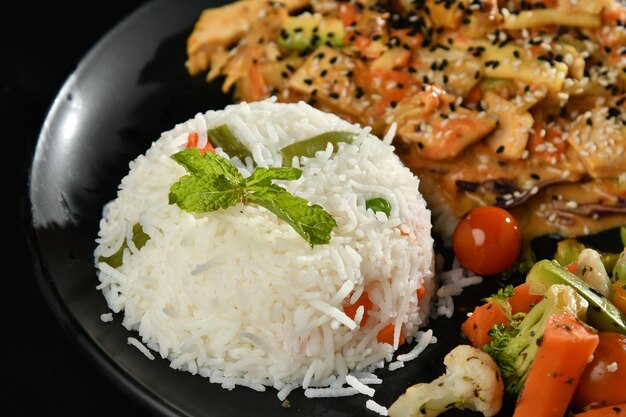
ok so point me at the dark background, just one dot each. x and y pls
(43, 373)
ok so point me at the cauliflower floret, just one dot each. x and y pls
(472, 381)
(591, 270)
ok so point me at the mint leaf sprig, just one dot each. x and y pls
(213, 183)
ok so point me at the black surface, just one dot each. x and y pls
(60, 360)
(43, 371)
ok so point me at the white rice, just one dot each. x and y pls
(236, 295)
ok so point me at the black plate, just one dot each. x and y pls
(131, 87)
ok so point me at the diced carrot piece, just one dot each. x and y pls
(618, 410)
(565, 348)
(421, 291)
(208, 148)
(522, 301)
(385, 335)
(364, 301)
(572, 267)
(484, 317)
(192, 140)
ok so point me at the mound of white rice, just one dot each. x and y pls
(236, 295)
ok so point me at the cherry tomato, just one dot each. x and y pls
(602, 382)
(487, 240)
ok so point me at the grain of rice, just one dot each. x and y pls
(141, 347)
(374, 406)
(359, 386)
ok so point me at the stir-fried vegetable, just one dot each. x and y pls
(565, 348)
(515, 345)
(603, 381)
(472, 381)
(498, 309)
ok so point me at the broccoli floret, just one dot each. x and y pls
(472, 381)
(514, 345)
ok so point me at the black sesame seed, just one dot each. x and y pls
(334, 95)
(500, 149)
(589, 121)
(613, 112)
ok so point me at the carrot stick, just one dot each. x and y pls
(522, 301)
(484, 317)
(566, 347)
(618, 410)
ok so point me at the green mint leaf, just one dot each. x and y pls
(311, 222)
(264, 176)
(213, 182)
(208, 164)
(198, 194)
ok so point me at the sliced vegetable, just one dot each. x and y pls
(139, 239)
(223, 137)
(309, 147)
(618, 410)
(564, 350)
(378, 204)
(603, 383)
(477, 326)
(308, 30)
(487, 240)
(522, 300)
(567, 251)
(602, 314)
(619, 269)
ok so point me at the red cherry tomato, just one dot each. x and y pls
(602, 382)
(487, 240)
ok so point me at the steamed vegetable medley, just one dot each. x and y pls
(557, 340)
